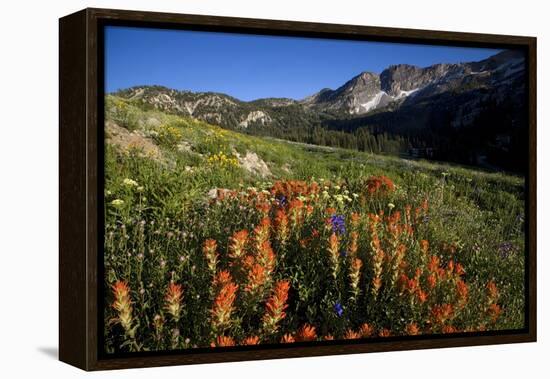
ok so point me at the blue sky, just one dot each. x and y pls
(250, 67)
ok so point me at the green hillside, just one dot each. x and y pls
(165, 175)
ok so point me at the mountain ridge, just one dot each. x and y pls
(431, 105)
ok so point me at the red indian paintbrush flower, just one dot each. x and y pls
(462, 292)
(223, 341)
(448, 329)
(433, 265)
(306, 333)
(351, 335)
(281, 226)
(421, 296)
(379, 185)
(494, 312)
(334, 253)
(251, 340)
(432, 281)
(412, 329)
(223, 306)
(256, 279)
(424, 246)
(492, 291)
(355, 276)
(352, 248)
(266, 256)
(275, 306)
(295, 212)
(355, 219)
(173, 298)
(209, 249)
(288, 338)
(378, 261)
(366, 330)
(237, 244)
(442, 313)
(123, 305)
(222, 278)
(261, 232)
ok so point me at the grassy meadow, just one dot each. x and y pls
(218, 238)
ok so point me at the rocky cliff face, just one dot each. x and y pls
(357, 96)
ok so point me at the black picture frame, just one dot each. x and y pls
(81, 186)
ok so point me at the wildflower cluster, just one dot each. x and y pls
(287, 264)
(222, 160)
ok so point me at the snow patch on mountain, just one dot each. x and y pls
(403, 94)
(381, 98)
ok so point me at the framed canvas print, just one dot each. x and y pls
(236, 189)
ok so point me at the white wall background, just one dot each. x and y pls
(29, 176)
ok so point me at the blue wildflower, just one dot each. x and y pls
(282, 200)
(338, 309)
(338, 224)
(344, 253)
(505, 249)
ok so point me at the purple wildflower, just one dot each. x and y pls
(338, 224)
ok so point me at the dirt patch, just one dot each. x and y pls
(126, 140)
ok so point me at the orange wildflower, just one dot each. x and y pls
(223, 306)
(263, 207)
(256, 278)
(288, 338)
(379, 185)
(328, 337)
(378, 261)
(384, 333)
(424, 246)
(355, 276)
(355, 220)
(351, 335)
(266, 257)
(295, 208)
(123, 305)
(366, 330)
(173, 298)
(251, 340)
(281, 225)
(223, 341)
(275, 306)
(222, 278)
(422, 296)
(334, 252)
(432, 281)
(237, 244)
(448, 329)
(306, 333)
(494, 311)
(433, 265)
(330, 211)
(462, 292)
(261, 232)
(412, 329)
(442, 313)
(209, 249)
(352, 248)
(492, 291)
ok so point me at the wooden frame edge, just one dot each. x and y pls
(78, 282)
